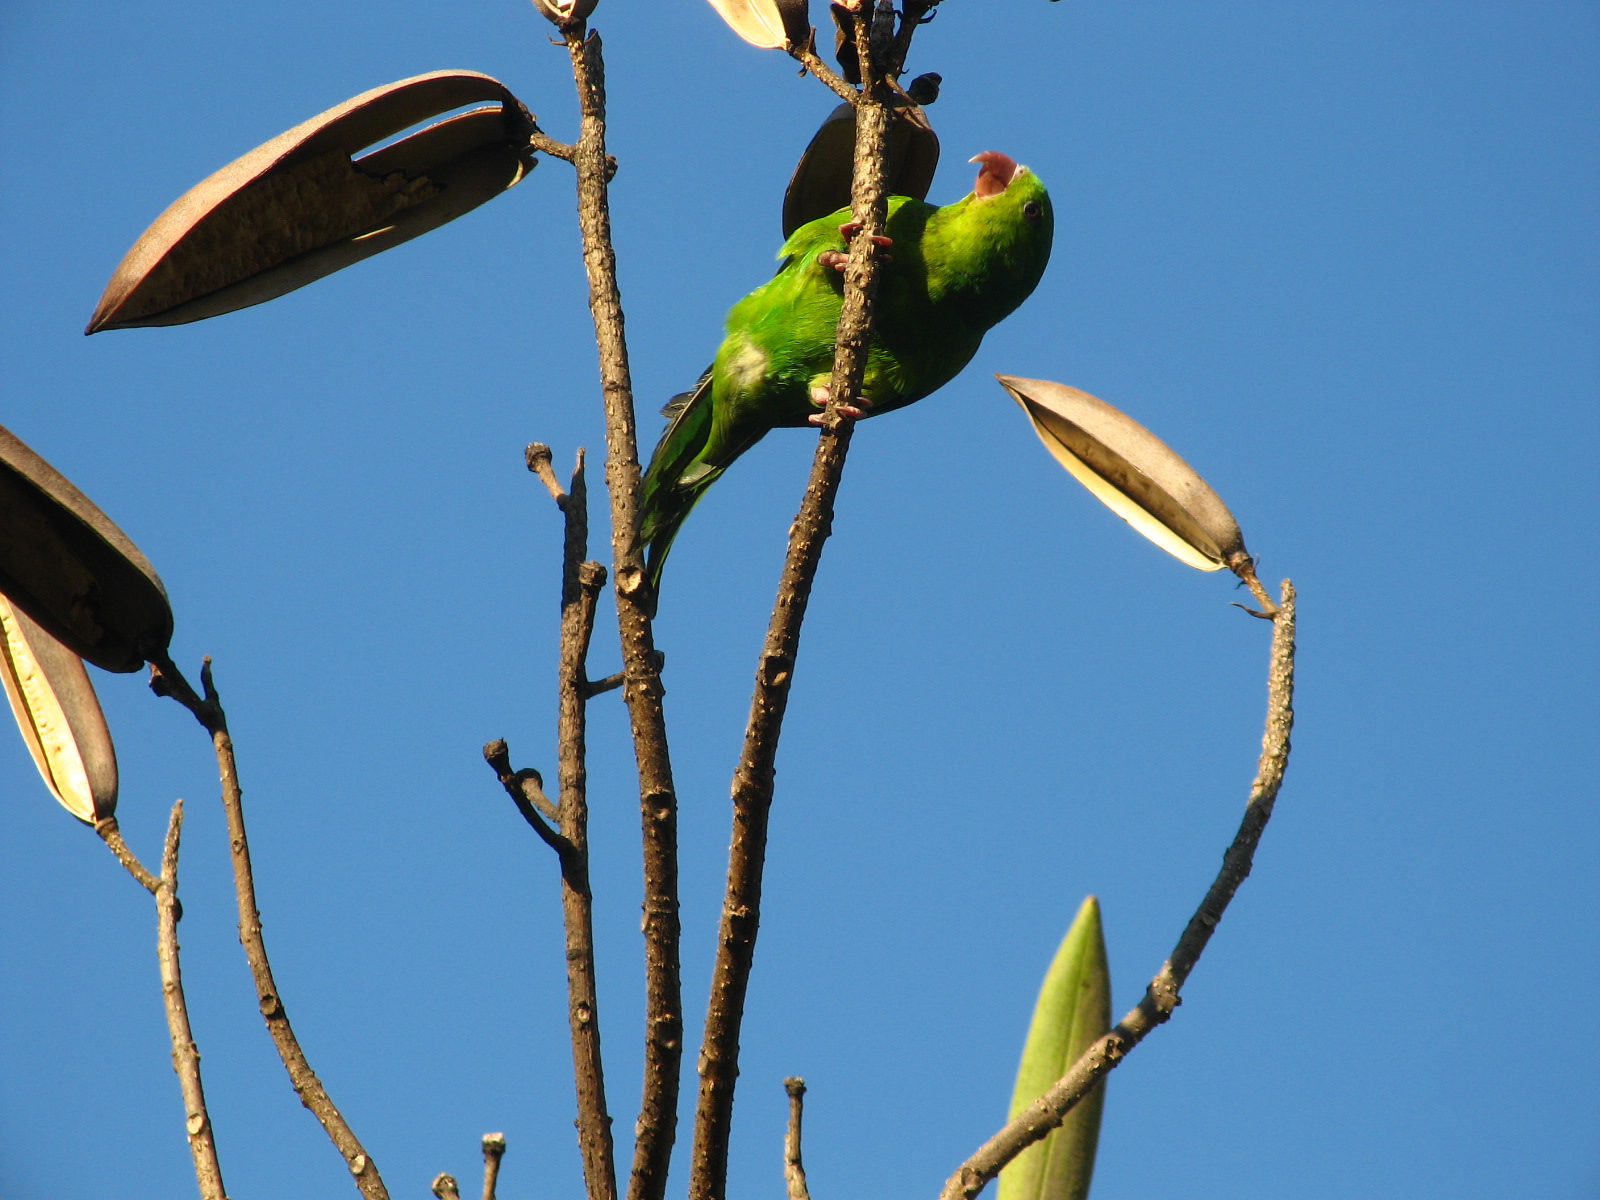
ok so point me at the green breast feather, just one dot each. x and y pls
(953, 273)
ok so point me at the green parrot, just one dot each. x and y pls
(952, 274)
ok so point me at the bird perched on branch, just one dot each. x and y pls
(949, 275)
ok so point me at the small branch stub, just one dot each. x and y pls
(794, 1171)
(494, 1149)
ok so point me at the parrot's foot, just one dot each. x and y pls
(838, 258)
(851, 228)
(821, 394)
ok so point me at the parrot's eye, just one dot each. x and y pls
(1032, 210)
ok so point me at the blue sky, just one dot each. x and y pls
(1341, 256)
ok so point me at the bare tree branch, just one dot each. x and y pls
(167, 680)
(794, 1170)
(1161, 998)
(444, 1187)
(581, 582)
(753, 778)
(806, 56)
(185, 1054)
(656, 1128)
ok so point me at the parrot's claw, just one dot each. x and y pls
(821, 394)
(839, 259)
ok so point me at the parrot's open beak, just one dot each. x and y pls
(996, 173)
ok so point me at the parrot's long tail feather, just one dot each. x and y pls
(674, 481)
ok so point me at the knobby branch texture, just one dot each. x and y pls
(185, 1054)
(167, 680)
(1162, 997)
(754, 775)
(656, 1128)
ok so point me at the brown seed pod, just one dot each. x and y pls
(767, 24)
(64, 563)
(59, 716)
(298, 207)
(1133, 472)
(560, 12)
(821, 182)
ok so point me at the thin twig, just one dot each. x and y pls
(1162, 997)
(794, 1170)
(753, 778)
(599, 687)
(185, 1054)
(167, 680)
(526, 789)
(1242, 565)
(658, 803)
(111, 835)
(545, 144)
(806, 56)
(912, 14)
(494, 1149)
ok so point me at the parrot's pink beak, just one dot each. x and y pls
(996, 173)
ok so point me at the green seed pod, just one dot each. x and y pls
(1073, 1011)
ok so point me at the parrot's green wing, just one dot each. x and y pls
(670, 486)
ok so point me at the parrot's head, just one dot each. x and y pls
(1002, 230)
(1015, 193)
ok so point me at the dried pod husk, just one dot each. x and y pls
(563, 11)
(821, 182)
(1133, 472)
(1073, 1011)
(64, 563)
(59, 716)
(844, 43)
(767, 24)
(299, 207)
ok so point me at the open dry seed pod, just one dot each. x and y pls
(562, 11)
(59, 716)
(298, 207)
(821, 182)
(768, 24)
(1132, 471)
(64, 563)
